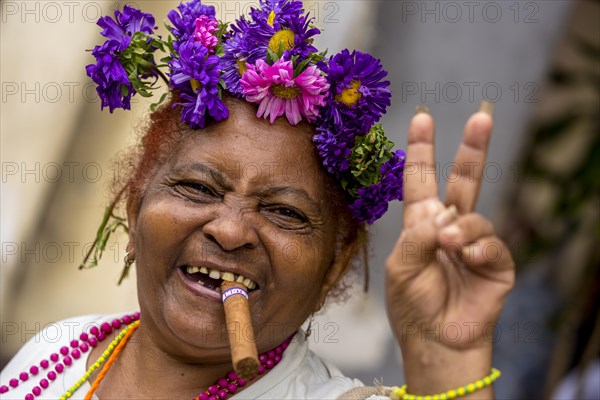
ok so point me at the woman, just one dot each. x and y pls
(219, 194)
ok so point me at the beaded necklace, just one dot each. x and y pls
(222, 389)
(76, 348)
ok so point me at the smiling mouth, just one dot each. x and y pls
(212, 278)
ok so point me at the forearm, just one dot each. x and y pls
(431, 368)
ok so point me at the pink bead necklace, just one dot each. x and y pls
(220, 390)
(76, 349)
(229, 384)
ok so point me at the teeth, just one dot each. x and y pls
(228, 276)
(200, 282)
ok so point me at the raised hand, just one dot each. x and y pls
(448, 275)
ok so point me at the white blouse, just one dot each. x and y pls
(301, 374)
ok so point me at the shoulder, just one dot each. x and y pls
(47, 341)
(56, 351)
(327, 381)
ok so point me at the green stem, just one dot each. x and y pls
(163, 76)
(107, 214)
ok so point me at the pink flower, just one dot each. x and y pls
(277, 91)
(205, 27)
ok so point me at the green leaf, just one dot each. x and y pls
(144, 93)
(300, 67)
(223, 26)
(369, 153)
(272, 57)
(154, 106)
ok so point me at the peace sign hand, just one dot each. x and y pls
(448, 275)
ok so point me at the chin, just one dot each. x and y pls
(185, 326)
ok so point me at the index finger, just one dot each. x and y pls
(466, 174)
(419, 170)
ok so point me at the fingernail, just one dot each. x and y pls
(422, 110)
(446, 217)
(451, 233)
(487, 108)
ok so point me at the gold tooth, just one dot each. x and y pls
(214, 274)
(204, 270)
(228, 276)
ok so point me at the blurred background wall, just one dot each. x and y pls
(538, 61)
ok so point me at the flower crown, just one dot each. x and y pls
(268, 59)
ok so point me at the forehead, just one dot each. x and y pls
(245, 148)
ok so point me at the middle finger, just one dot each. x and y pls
(469, 164)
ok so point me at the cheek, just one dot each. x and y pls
(160, 233)
(299, 268)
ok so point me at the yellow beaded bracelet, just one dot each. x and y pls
(399, 393)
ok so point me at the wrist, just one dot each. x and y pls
(432, 367)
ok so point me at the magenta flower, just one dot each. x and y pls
(278, 92)
(204, 33)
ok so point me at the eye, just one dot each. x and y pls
(288, 213)
(195, 189)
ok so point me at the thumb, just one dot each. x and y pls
(417, 245)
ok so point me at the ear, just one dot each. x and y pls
(133, 209)
(338, 269)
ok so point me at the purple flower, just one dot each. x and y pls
(392, 175)
(372, 201)
(275, 22)
(370, 204)
(125, 24)
(184, 21)
(335, 150)
(359, 96)
(288, 32)
(196, 105)
(195, 73)
(277, 12)
(237, 51)
(113, 85)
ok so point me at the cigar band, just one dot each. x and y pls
(232, 292)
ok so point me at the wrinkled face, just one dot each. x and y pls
(241, 197)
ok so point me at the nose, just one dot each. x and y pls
(232, 231)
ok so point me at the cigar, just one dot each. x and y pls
(237, 315)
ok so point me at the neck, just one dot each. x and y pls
(143, 370)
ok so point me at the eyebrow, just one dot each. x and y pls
(205, 169)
